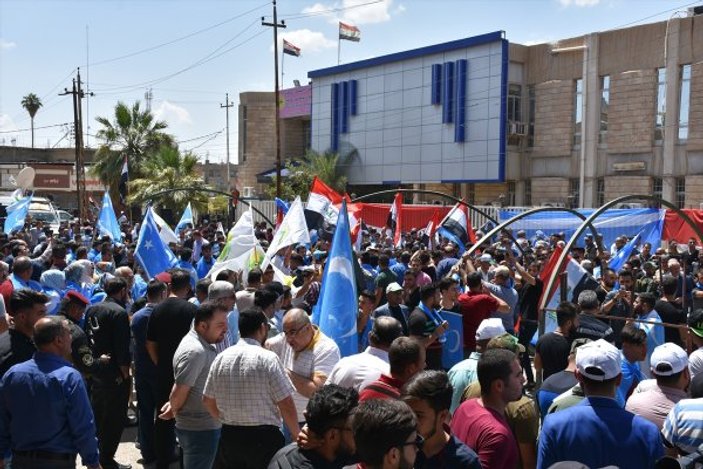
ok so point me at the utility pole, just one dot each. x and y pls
(275, 25)
(226, 106)
(148, 96)
(77, 94)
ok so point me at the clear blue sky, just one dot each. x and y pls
(220, 46)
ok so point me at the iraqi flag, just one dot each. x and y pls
(456, 227)
(290, 49)
(349, 32)
(124, 179)
(395, 219)
(431, 229)
(577, 280)
(322, 204)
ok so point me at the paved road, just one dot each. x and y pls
(127, 452)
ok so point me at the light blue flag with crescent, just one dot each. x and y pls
(186, 218)
(623, 255)
(453, 347)
(107, 221)
(337, 308)
(152, 253)
(16, 213)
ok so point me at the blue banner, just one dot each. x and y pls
(453, 348)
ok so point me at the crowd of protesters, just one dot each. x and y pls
(229, 371)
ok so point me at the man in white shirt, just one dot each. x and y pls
(307, 355)
(357, 371)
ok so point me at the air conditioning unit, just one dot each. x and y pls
(248, 192)
(517, 128)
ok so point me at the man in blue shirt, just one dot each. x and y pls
(598, 432)
(203, 266)
(28, 395)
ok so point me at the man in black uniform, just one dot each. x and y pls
(107, 327)
(72, 308)
(16, 346)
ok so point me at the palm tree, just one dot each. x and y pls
(133, 133)
(32, 103)
(327, 166)
(169, 169)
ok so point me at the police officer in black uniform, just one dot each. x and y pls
(107, 328)
(72, 308)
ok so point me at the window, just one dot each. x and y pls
(600, 191)
(681, 192)
(307, 135)
(604, 104)
(514, 103)
(244, 133)
(578, 110)
(684, 101)
(528, 193)
(574, 193)
(470, 194)
(531, 124)
(511, 194)
(657, 189)
(660, 112)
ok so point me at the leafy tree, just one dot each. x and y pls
(168, 169)
(32, 103)
(133, 133)
(327, 166)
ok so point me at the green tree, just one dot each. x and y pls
(327, 166)
(168, 168)
(133, 133)
(32, 103)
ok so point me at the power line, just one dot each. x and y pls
(35, 128)
(201, 137)
(330, 10)
(173, 41)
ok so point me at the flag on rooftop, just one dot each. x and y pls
(349, 32)
(290, 49)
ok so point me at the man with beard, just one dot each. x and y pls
(553, 348)
(644, 308)
(329, 417)
(429, 395)
(198, 432)
(385, 435)
(607, 282)
(427, 326)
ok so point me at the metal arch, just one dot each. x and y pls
(425, 191)
(212, 191)
(440, 194)
(579, 231)
(522, 215)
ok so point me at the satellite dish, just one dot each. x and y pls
(25, 178)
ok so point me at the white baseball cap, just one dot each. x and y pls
(486, 257)
(599, 360)
(393, 287)
(489, 328)
(668, 359)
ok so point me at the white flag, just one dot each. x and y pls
(242, 251)
(293, 230)
(165, 232)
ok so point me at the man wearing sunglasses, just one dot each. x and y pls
(385, 435)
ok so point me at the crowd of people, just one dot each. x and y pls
(229, 370)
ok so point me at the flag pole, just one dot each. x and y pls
(283, 59)
(339, 46)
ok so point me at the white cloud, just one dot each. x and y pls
(172, 113)
(579, 3)
(6, 123)
(7, 45)
(356, 12)
(308, 41)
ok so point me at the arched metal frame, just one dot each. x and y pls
(212, 191)
(579, 231)
(522, 215)
(440, 194)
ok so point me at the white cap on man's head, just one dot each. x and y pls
(668, 359)
(599, 360)
(489, 328)
(393, 287)
(486, 257)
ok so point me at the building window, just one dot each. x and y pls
(578, 110)
(531, 124)
(604, 105)
(244, 133)
(685, 101)
(514, 103)
(528, 192)
(307, 135)
(681, 192)
(600, 192)
(510, 201)
(574, 193)
(660, 114)
(657, 190)
(471, 194)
